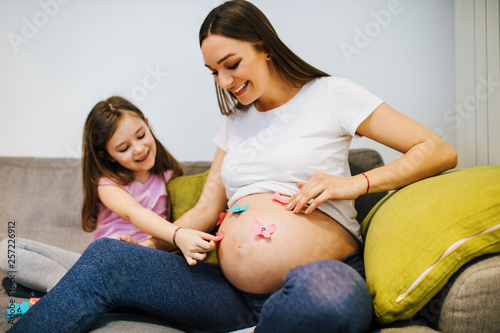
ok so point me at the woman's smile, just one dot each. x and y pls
(240, 90)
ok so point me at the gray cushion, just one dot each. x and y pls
(132, 322)
(475, 287)
(44, 196)
(465, 303)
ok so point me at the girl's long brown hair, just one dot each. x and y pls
(100, 126)
(241, 20)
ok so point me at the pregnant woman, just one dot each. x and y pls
(289, 258)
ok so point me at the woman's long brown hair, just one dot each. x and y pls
(100, 126)
(241, 20)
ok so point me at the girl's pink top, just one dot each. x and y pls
(151, 195)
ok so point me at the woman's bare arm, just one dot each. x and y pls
(425, 155)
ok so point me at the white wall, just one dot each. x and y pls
(58, 58)
(477, 82)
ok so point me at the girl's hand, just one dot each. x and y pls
(128, 239)
(322, 187)
(151, 242)
(194, 244)
(148, 242)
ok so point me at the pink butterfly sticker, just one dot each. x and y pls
(221, 217)
(277, 197)
(220, 235)
(259, 229)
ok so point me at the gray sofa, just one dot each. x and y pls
(43, 196)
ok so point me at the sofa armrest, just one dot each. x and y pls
(44, 196)
(469, 301)
(193, 168)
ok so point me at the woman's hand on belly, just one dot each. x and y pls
(258, 264)
(322, 187)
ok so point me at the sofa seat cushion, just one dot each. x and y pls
(475, 286)
(418, 236)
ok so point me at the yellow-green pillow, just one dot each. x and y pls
(184, 192)
(418, 236)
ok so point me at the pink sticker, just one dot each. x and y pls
(277, 197)
(220, 235)
(259, 229)
(221, 217)
(33, 300)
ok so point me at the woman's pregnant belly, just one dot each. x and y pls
(258, 264)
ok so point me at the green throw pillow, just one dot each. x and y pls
(184, 192)
(418, 236)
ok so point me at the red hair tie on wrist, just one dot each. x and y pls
(368, 182)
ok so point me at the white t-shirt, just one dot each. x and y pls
(273, 150)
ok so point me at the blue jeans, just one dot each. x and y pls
(324, 296)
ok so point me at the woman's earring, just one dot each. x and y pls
(268, 56)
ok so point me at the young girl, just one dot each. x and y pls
(125, 171)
